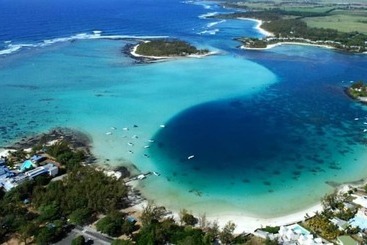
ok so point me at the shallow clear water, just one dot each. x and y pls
(263, 126)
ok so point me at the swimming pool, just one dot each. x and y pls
(299, 229)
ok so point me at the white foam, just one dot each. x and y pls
(204, 16)
(204, 4)
(209, 32)
(12, 48)
(215, 23)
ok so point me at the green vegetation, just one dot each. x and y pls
(312, 24)
(53, 207)
(271, 229)
(321, 225)
(166, 47)
(115, 224)
(82, 195)
(79, 240)
(340, 21)
(334, 207)
(358, 90)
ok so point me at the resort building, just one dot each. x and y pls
(341, 224)
(9, 179)
(33, 162)
(360, 200)
(297, 235)
(360, 219)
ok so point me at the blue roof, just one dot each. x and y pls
(37, 158)
(4, 171)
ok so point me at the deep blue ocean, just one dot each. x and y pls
(262, 126)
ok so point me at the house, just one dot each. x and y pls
(49, 169)
(360, 200)
(341, 224)
(37, 158)
(349, 206)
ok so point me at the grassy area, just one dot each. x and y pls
(343, 22)
(348, 17)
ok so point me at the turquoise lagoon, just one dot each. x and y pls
(269, 130)
(262, 129)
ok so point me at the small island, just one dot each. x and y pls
(160, 49)
(358, 91)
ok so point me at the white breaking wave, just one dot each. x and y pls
(210, 32)
(12, 48)
(204, 16)
(205, 5)
(215, 23)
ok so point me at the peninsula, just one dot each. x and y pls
(297, 24)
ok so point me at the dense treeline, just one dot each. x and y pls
(272, 14)
(44, 209)
(80, 197)
(157, 228)
(294, 28)
(262, 15)
(290, 29)
(167, 48)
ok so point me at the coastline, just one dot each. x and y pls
(244, 221)
(258, 27)
(250, 224)
(270, 46)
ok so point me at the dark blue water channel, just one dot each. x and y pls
(304, 124)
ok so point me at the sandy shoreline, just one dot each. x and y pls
(250, 224)
(258, 27)
(269, 34)
(270, 46)
(244, 222)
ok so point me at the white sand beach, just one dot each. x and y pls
(270, 46)
(258, 27)
(244, 223)
(250, 224)
(5, 152)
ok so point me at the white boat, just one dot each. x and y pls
(125, 129)
(156, 174)
(151, 141)
(146, 146)
(108, 133)
(356, 119)
(364, 130)
(162, 125)
(190, 157)
(113, 128)
(141, 176)
(134, 136)
(130, 144)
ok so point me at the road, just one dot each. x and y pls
(90, 235)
